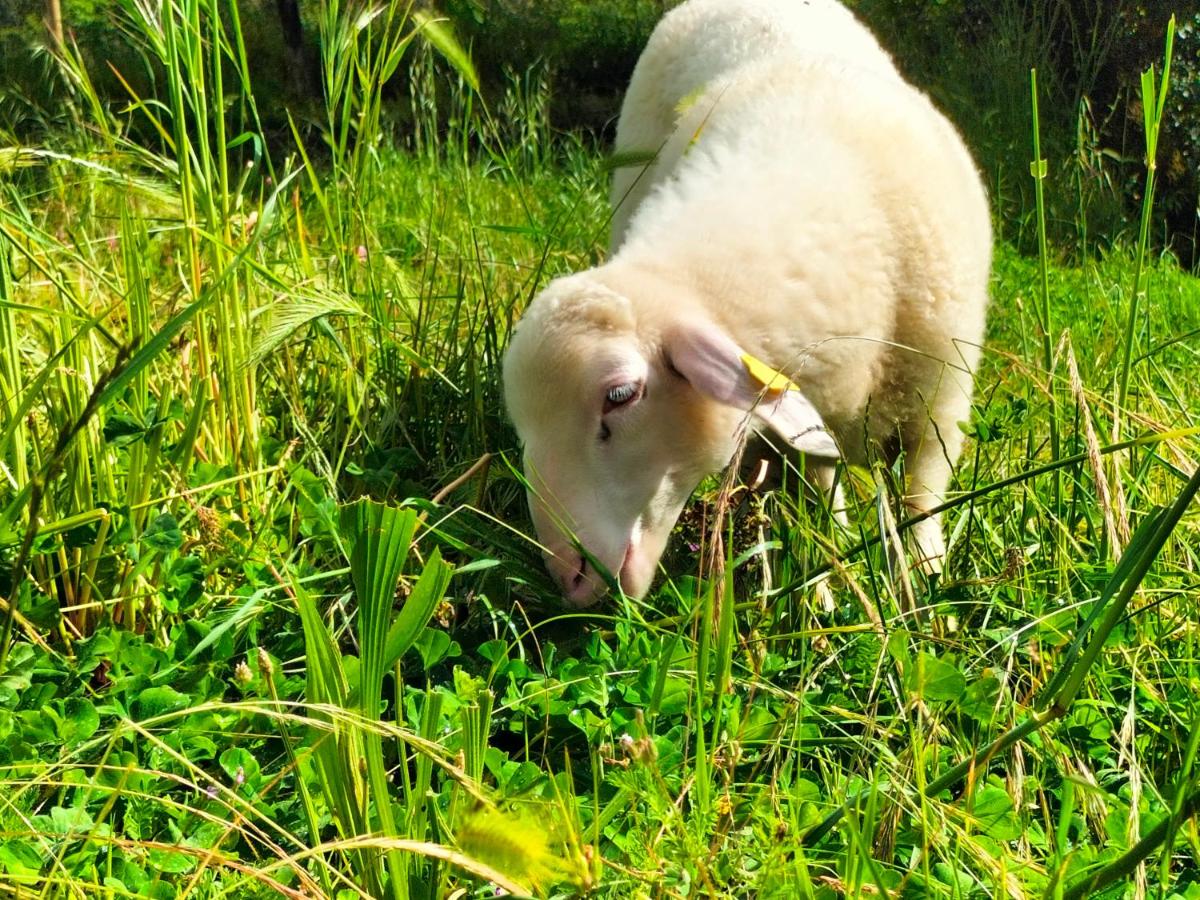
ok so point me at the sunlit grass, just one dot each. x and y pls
(209, 349)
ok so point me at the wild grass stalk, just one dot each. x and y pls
(1145, 440)
(14, 447)
(1154, 98)
(1039, 169)
(706, 625)
(35, 491)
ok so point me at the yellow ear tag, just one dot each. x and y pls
(769, 378)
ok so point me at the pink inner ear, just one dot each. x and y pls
(712, 363)
(710, 360)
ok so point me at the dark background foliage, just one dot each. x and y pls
(973, 56)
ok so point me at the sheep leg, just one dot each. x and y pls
(930, 462)
(928, 476)
(824, 478)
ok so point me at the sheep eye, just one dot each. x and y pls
(621, 394)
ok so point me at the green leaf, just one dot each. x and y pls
(241, 767)
(132, 874)
(121, 429)
(70, 820)
(19, 857)
(979, 699)
(439, 35)
(379, 538)
(993, 808)
(326, 683)
(184, 581)
(934, 680)
(158, 701)
(79, 722)
(324, 672)
(171, 862)
(418, 608)
(1149, 103)
(313, 502)
(434, 646)
(18, 674)
(477, 565)
(163, 534)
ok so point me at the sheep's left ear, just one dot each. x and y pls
(718, 368)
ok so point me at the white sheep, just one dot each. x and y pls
(808, 209)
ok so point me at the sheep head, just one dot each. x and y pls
(622, 409)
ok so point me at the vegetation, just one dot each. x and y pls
(975, 58)
(271, 622)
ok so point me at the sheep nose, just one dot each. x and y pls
(573, 576)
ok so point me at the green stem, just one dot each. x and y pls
(1122, 867)
(1152, 102)
(1038, 170)
(970, 496)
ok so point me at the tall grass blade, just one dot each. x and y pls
(440, 36)
(418, 608)
(1039, 169)
(1153, 100)
(13, 449)
(378, 538)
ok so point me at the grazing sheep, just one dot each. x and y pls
(808, 209)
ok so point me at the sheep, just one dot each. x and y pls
(810, 259)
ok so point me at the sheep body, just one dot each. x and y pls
(697, 44)
(809, 208)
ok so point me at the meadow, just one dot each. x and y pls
(273, 624)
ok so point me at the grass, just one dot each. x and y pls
(209, 352)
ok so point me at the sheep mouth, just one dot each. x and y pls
(625, 558)
(627, 575)
(586, 579)
(604, 580)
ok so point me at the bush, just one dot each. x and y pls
(31, 90)
(974, 58)
(588, 48)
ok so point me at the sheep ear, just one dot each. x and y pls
(718, 368)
